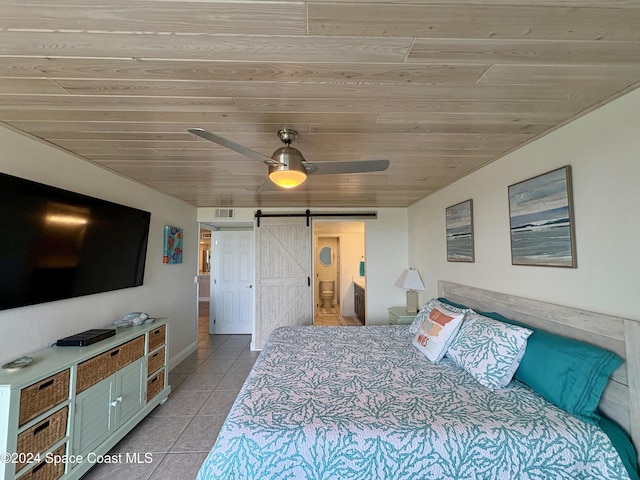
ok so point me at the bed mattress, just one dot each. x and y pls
(363, 403)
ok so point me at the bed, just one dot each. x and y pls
(364, 403)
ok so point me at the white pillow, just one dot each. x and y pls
(488, 349)
(424, 312)
(436, 331)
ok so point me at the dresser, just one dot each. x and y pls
(71, 405)
(400, 316)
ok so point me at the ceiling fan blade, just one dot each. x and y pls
(268, 186)
(236, 147)
(356, 166)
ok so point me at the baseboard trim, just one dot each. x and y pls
(177, 359)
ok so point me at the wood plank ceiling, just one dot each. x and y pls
(439, 88)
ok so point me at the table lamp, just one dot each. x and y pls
(410, 280)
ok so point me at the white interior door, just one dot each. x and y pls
(283, 275)
(231, 310)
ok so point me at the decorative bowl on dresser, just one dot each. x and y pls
(70, 405)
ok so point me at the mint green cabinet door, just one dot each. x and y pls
(93, 421)
(129, 391)
(101, 409)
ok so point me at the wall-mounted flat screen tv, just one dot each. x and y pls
(56, 244)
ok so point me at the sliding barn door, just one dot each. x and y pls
(283, 275)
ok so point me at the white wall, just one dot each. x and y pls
(603, 149)
(386, 256)
(352, 246)
(168, 290)
(386, 252)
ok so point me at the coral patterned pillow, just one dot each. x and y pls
(489, 350)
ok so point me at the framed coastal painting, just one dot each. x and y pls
(172, 245)
(541, 220)
(459, 220)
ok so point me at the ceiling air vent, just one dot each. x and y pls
(224, 213)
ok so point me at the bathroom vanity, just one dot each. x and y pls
(359, 298)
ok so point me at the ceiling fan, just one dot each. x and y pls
(287, 167)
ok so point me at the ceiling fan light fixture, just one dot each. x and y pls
(287, 178)
(290, 172)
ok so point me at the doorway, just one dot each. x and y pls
(327, 284)
(338, 249)
(232, 307)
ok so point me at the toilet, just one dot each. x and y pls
(326, 294)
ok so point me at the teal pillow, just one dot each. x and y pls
(567, 372)
(623, 445)
(449, 302)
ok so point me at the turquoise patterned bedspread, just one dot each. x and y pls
(363, 403)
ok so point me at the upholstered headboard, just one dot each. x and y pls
(621, 398)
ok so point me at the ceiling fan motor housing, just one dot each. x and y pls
(290, 172)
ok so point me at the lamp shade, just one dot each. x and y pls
(410, 280)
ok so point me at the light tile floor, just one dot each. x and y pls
(179, 434)
(333, 318)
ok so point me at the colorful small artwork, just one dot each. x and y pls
(172, 246)
(541, 217)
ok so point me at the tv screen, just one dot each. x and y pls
(56, 244)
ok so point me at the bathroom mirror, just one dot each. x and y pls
(326, 256)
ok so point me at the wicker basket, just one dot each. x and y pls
(47, 471)
(155, 361)
(43, 434)
(157, 337)
(92, 371)
(129, 353)
(155, 384)
(104, 365)
(40, 397)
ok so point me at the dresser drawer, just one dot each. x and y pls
(155, 384)
(155, 361)
(127, 353)
(47, 471)
(93, 371)
(157, 337)
(42, 435)
(40, 397)
(104, 365)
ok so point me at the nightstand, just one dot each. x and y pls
(400, 316)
